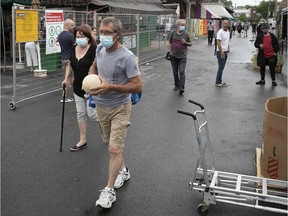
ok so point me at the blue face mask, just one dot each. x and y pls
(106, 41)
(181, 28)
(82, 42)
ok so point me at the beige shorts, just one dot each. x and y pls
(114, 123)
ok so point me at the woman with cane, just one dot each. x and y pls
(82, 57)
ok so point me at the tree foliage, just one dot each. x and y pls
(263, 7)
(227, 3)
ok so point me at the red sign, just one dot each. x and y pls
(54, 17)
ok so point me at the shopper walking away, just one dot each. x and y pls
(210, 32)
(120, 75)
(223, 38)
(66, 41)
(254, 26)
(246, 28)
(31, 55)
(178, 41)
(168, 27)
(268, 47)
(273, 26)
(239, 29)
(234, 28)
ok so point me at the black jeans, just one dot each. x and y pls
(271, 62)
(178, 66)
(210, 37)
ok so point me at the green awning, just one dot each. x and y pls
(21, 2)
(48, 2)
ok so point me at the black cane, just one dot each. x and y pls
(63, 109)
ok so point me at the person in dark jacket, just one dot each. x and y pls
(268, 47)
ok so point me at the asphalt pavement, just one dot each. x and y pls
(161, 149)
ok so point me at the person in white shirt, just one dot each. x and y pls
(223, 37)
(31, 55)
(167, 29)
(273, 26)
(210, 32)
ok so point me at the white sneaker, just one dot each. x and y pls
(67, 100)
(222, 84)
(106, 198)
(123, 176)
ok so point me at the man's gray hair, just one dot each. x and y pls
(117, 24)
(180, 21)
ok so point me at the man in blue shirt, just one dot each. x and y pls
(66, 41)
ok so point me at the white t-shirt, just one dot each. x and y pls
(224, 36)
(274, 23)
(168, 27)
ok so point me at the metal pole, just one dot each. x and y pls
(13, 52)
(138, 36)
(3, 38)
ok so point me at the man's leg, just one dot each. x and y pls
(116, 162)
(119, 122)
(175, 65)
(182, 66)
(272, 65)
(221, 65)
(262, 73)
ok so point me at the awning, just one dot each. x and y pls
(47, 2)
(10, 2)
(217, 10)
(134, 7)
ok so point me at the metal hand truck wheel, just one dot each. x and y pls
(218, 186)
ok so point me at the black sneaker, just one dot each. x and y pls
(261, 82)
(77, 148)
(274, 83)
(176, 88)
(181, 91)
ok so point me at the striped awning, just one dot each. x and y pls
(114, 6)
(47, 2)
(134, 7)
(217, 10)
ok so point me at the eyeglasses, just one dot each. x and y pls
(107, 32)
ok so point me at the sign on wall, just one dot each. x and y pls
(26, 25)
(54, 26)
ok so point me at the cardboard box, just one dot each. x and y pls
(274, 146)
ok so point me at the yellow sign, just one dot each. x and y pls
(26, 25)
(201, 27)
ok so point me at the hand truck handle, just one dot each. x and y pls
(187, 113)
(198, 104)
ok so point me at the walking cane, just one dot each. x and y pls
(63, 108)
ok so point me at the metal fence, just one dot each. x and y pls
(144, 35)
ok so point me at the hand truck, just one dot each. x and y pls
(217, 186)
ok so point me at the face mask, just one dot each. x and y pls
(82, 42)
(106, 41)
(181, 28)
